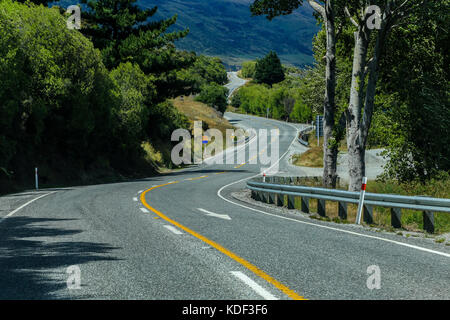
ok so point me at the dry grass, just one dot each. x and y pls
(197, 111)
(313, 158)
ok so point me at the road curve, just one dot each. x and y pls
(183, 236)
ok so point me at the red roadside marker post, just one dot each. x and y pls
(361, 200)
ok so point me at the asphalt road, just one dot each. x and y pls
(183, 236)
(234, 82)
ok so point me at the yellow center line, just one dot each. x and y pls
(192, 179)
(292, 294)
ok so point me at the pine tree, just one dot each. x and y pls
(123, 33)
(269, 69)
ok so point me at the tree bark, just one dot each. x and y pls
(355, 141)
(330, 145)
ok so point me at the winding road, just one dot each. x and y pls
(184, 236)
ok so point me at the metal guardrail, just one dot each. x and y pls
(272, 191)
(299, 138)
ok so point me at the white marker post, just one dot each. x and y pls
(36, 178)
(361, 200)
(264, 177)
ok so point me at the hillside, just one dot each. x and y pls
(225, 28)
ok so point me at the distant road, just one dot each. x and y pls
(235, 83)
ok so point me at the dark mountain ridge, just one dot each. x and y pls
(226, 28)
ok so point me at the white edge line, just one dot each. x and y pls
(173, 229)
(205, 211)
(217, 215)
(252, 284)
(135, 199)
(24, 205)
(319, 225)
(144, 210)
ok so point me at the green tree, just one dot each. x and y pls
(236, 100)
(248, 69)
(38, 2)
(131, 86)
(214, 95)
(205, 70)
(269, 70)
(301, 112)
(413, 97)
(123, 33)
(56, 101)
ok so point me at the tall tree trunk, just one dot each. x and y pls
(330, 146)
(355, 141)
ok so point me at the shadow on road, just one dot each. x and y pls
(25, 261)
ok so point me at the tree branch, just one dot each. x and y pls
(316, 6)
(347, 13)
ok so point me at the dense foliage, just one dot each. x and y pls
(63, 111)
(414, 95)
(284, 101)
(214, 95)
(56, 96)
(205, 70)
(269, 70)
(248, 69)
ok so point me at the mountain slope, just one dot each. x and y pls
(225, 28)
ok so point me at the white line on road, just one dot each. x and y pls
(140, 191)
(144, 210)
(173, 229)
(252, 284)
(212, 214)
(24, 205)
(135, 199)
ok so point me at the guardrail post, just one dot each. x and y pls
(428, 221)
(291, 202)
(368, 214)
(321, 208)
(279, 200)
(259, 196)
(271, 198)
(305, 204)
(342, 210)
(263, 197)
(396, 217)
